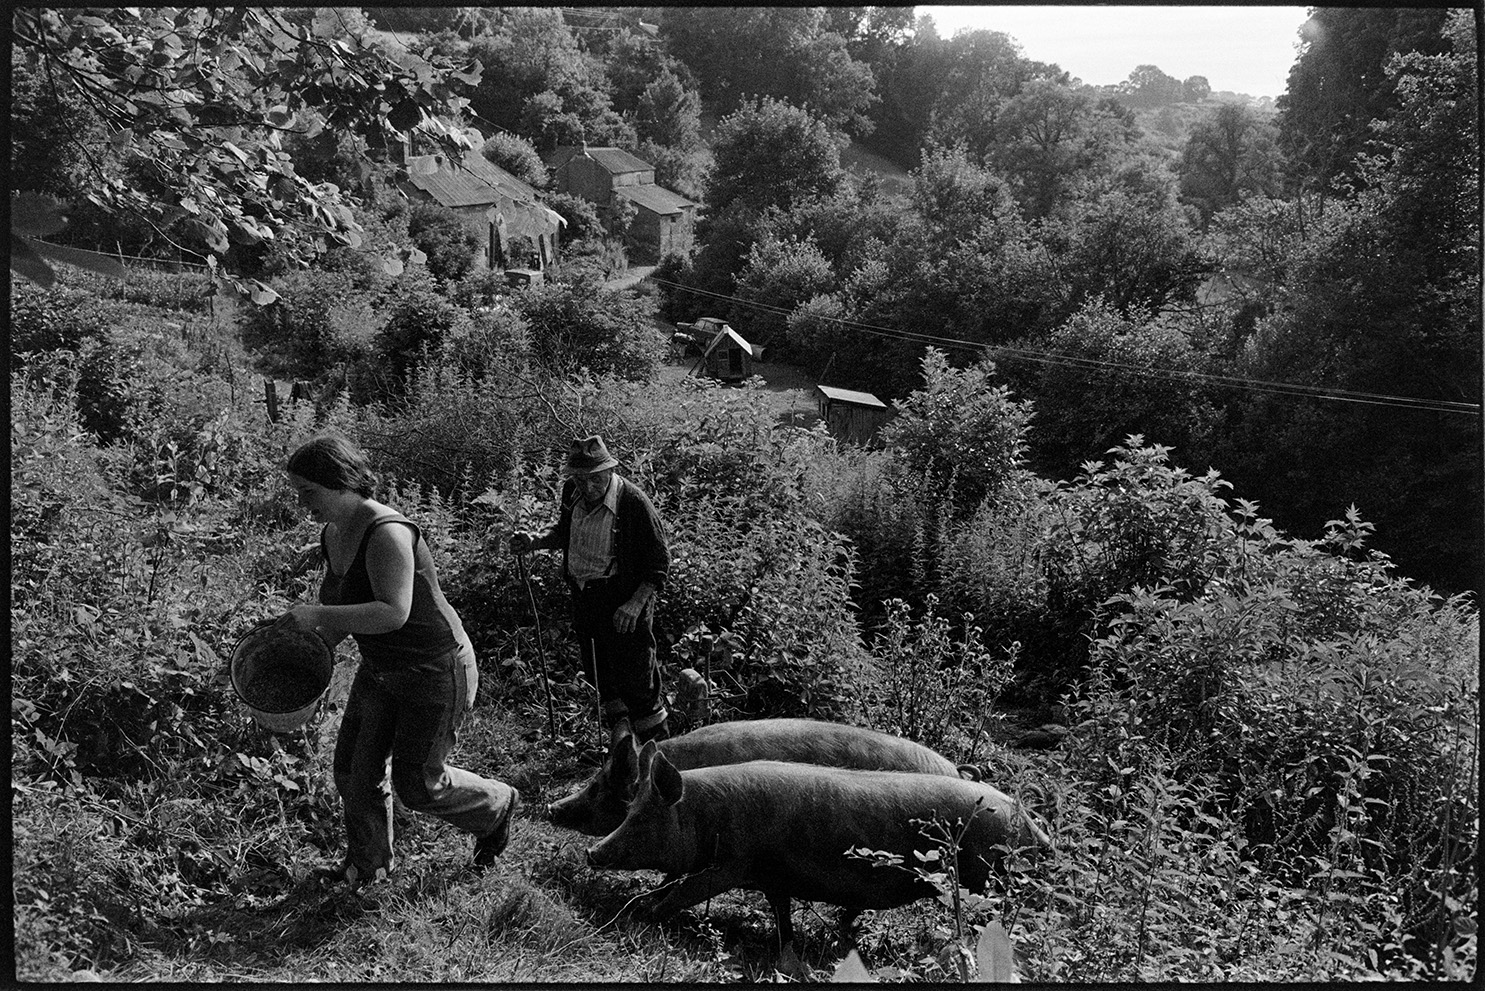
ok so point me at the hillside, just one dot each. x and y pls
(160, 835)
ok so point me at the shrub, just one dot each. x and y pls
(581, 216)
(53, 319)
(580, 325)
(1341, 738)
(444, 237)
(931, 685)
(319, 321)
(419, 322)
(517, 156)
(960, 434)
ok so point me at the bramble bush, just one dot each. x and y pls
(320, 320)
(932, 685)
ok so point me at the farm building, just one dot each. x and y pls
(664, 221)
(852, 416)
(515, 229)
(728, 356)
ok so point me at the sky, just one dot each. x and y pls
(1239, 49)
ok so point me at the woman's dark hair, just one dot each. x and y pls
(334, 462)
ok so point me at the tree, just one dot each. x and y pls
(517, 156)
(1382, 295)
(959, 433)
(770, 153)
(199, 99)
(789, 55)
(909, 79)
(1132, 252)
(954, 195)
(779, 274)
(982, 70)
(1147, 86)
(1043, 142)
(1229, 155)
(1083, 409)
(634, 61)
(449, 245)
(1195, 89)
(580, 325)
(669, 114)
(1338, 85)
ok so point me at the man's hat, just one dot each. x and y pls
(587, 456)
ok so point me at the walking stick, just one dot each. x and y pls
(540, 653)
(597, 695)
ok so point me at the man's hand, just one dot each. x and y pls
(626, 617)
(521, 541)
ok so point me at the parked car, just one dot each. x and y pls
(517, 277)
(691, 339)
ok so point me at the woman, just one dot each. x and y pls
(417, 676)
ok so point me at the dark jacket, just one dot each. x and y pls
(639, 538)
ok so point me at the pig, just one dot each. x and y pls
(596, 807)
(787, 829)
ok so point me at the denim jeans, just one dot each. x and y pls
(409, 719)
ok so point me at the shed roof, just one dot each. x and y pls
(727, 333)
(615, 161)
(473, 182)
(656, 199)
(850, 396)
(480, 182)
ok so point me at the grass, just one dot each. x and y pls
(539, 915)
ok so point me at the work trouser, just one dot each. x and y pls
(409, 719)
(623, 666)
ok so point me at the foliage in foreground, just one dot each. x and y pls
(1270, 774)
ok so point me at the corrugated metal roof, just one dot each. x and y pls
(850, 396)
(618, 161)
(656, 199)
(614, 160)
(479, 182)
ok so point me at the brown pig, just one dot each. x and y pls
(787, 830)
(596, 807)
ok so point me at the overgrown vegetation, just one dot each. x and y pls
(1270, 773)
(1267, 746)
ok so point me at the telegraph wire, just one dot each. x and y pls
(1095, 364)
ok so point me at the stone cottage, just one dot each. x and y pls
(664, 221)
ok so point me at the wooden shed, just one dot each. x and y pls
(729, 357)
(852, 416)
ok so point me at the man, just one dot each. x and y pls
(614, 560)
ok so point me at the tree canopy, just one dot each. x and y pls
(199, 100)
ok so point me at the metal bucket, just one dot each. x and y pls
(280, 675)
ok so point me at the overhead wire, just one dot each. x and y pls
(1098, 364)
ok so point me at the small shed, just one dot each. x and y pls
(729, 357)
(852, 416)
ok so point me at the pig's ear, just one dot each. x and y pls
(668, 783)
(647, 755)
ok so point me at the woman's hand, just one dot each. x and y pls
(302, 617)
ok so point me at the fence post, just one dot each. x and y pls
(270, 397)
